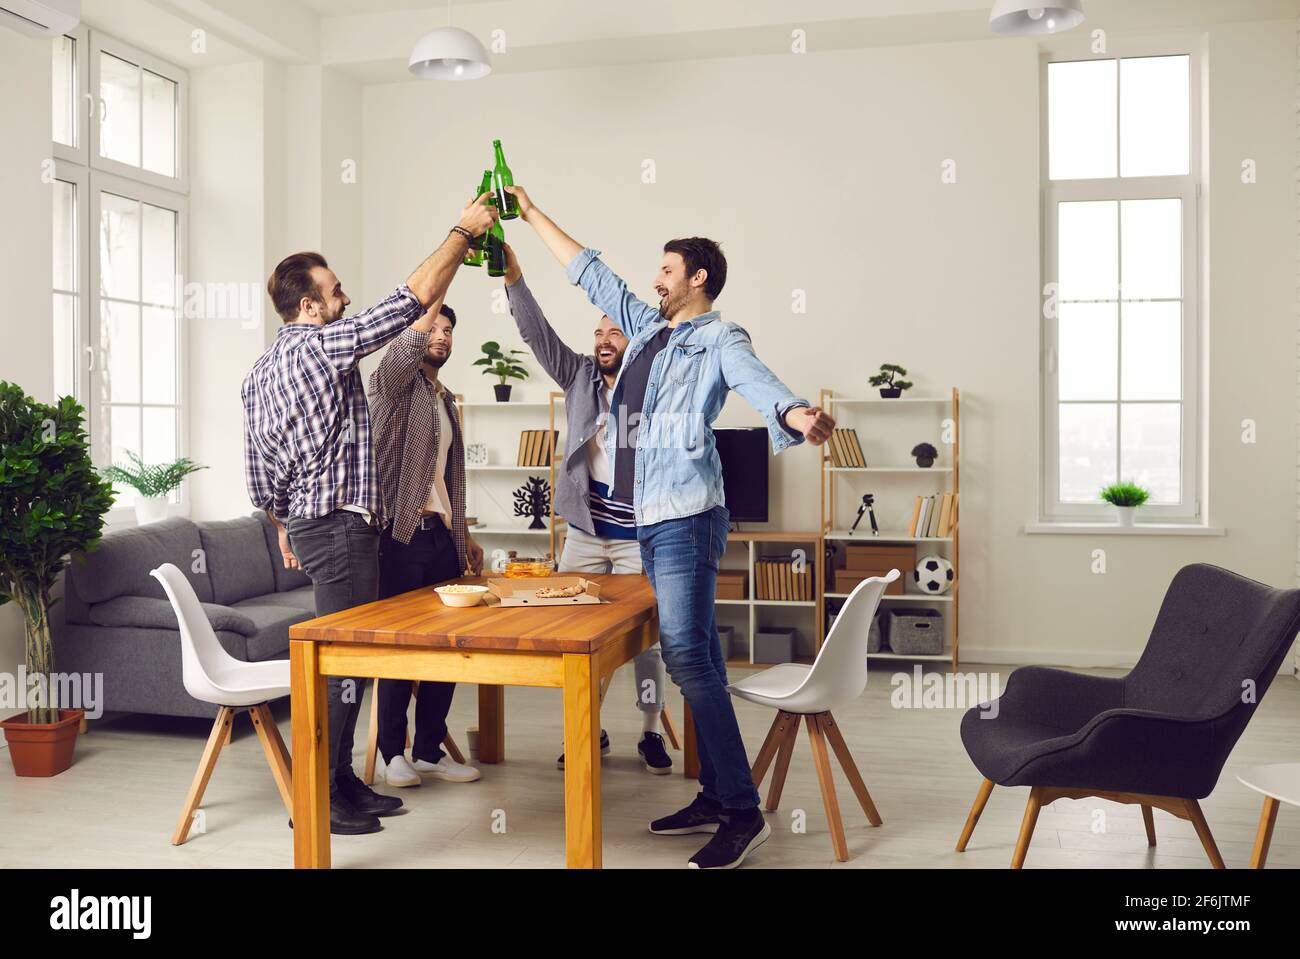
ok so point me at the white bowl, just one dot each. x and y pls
(471, 595)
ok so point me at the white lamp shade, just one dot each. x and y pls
(449, 53)
(1033, 18)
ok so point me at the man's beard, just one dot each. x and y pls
(610, 367)
(437, 362)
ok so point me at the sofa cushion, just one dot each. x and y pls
(303, 598)
(285, 579)
(121, 564)
(237, 561)
(144, 612)
(271, 641)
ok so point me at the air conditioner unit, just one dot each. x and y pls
(41, 18)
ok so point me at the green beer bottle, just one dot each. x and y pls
(496, 250)
(476, 253)
(506, 202)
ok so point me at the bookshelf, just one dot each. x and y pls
(895, 495)
(505, 475)
(751, 543)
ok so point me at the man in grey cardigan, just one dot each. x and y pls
(601, 534)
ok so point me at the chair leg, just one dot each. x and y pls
(1027, 826)
(415, 691)
(981, 799)
(1203, 831)
(836, 739)
(453, 750)
(372, 738)
(1267, 817)
(230, 730)
(216, 739)
(273, 746)
(666, 719)
(1149, 820)
(766, 753)
(782, 764)
(822, 763)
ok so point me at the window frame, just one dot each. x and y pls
(1185, 187)
(83, 359)
(83, 111)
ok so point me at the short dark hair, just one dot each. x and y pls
(701, 253)
(291, 281)
(449, 313)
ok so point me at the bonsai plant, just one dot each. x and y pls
(52, 503)
(153, 483)
(925, 454)
(503, 366)
(890, 388)
(1125, 497)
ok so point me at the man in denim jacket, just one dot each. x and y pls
(681, 361)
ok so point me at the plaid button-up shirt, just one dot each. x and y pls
(407, 438)
(306, 424)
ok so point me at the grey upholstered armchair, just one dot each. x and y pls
(1159, 736)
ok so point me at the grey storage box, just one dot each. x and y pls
(874, 634)
(774, 645)
(914, 632)
(726, 638)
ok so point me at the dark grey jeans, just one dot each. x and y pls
(340, 552)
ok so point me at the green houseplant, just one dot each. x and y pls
(1126, 498)
(503, 366)
(52, 503)
(890, 387)
(154, 483)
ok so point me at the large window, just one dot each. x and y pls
(119, 206)
(1120, 264)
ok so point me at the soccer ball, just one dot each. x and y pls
(933, 575)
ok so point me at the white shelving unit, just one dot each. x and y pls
(752, 541)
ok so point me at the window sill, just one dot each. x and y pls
(1138, 529)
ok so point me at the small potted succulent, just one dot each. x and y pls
(154, 483)
(890, 388)
(503, 366)
(1126, 498)
(925, 454)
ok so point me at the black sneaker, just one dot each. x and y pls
(364, 799)
(653, 755)
(739, 834)
(604, 749)
(347, 820)
(702, 815)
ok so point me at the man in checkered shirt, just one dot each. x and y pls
(308, 461)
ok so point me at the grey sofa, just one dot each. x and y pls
(118, 622)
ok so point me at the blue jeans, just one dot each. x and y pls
(681, 558)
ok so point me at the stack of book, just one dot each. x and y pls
(934, 515)
(777, 578)
(846, 451)
(536, 446)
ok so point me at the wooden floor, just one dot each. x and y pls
(117, 805)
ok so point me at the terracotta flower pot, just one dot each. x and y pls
(42, 749)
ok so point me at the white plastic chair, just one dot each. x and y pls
(837, 677)
(212, 675)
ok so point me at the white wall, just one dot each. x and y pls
(26, 270)
(822, 173)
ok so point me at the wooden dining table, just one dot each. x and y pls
(575, 648)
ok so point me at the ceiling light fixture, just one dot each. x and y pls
(449, 53)
(1033, 18)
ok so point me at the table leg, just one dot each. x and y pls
(582, 830)
(491, 723)
(691, 754)
(311, 759)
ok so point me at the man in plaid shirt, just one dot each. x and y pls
(308, 461)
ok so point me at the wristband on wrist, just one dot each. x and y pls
(469, 237)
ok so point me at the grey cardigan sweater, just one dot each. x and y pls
(579, 377)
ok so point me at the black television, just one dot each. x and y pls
(743, 453)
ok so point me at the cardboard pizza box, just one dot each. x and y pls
(522, 590)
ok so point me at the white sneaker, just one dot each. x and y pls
(446, 769)
(399, 773)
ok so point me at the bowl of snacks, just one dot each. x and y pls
(461, 594)
(513, 566)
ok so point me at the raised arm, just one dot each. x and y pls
(431, 278)
(603, 287)
(401, 363)
(790, 418)
(561, 363)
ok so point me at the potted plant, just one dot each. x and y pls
(153, 483)
(890, 388)
(925, 454)
(503, 366)
(1126, 498)
(52, 503)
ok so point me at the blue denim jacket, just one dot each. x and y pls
(678, 473)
